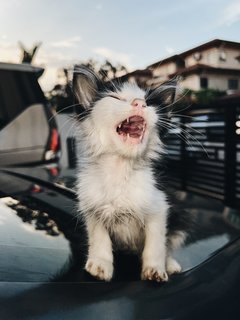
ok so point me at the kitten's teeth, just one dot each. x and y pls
(127, 120)
(127, 135)
(119, 126)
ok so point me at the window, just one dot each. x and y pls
(204, 83)
(197, 56)
(222, 56)
(238, 58)
(18, 90)
(233, 84)
(180, 63)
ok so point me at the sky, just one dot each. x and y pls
(135, 33)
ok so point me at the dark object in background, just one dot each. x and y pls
(71, 149)
(28, 130)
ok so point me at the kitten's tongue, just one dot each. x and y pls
(133, 126)
(132, 130)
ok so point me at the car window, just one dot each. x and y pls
(18, 90)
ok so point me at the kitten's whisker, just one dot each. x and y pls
(184, 134)
(61, 127)
(193, 129)
(72, 127)
(173, 114)
(175, 103)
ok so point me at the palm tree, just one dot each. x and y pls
(28, 55)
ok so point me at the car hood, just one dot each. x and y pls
(39, 210)
(43, 251)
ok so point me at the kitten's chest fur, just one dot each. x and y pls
(119, 193)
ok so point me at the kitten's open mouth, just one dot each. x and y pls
(132, 129)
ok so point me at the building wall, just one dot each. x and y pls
(164, 70)
(211, 57)
(215, 81)
(220, 82)
(208, 57)
(191, 82)
(222, 57)
(231, 61)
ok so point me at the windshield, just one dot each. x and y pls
(18, 90)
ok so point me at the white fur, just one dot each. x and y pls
(172, 266)
(117, 195)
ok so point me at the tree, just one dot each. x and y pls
(203, 96)
(61, 96)
(106, 70)
(28, 55)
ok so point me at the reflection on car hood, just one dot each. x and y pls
(42, 239)
(32, 247)
(38, 229)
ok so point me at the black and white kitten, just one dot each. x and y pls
(119, 200)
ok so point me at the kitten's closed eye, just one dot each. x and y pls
(113, 96)
(116, 97)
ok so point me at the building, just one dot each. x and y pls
(214, 65)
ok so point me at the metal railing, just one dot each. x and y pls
(204, 150)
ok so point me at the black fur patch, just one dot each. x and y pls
(179, 219)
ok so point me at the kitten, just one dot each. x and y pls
(119, 200)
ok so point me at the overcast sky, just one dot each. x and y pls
(135, 33)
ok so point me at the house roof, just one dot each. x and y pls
(199, 68)
(216, 43)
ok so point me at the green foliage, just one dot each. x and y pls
(203, 96)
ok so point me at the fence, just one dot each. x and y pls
(204, 150)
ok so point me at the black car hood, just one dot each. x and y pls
(43, 251)
(37, 227)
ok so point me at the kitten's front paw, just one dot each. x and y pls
(155, 273)
(172, 266)
(100, 268)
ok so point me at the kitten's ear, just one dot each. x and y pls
(85, 85)
(163, 95)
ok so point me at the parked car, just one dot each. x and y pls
(43, 251)
(23, 105)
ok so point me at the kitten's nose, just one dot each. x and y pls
(139, 103)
